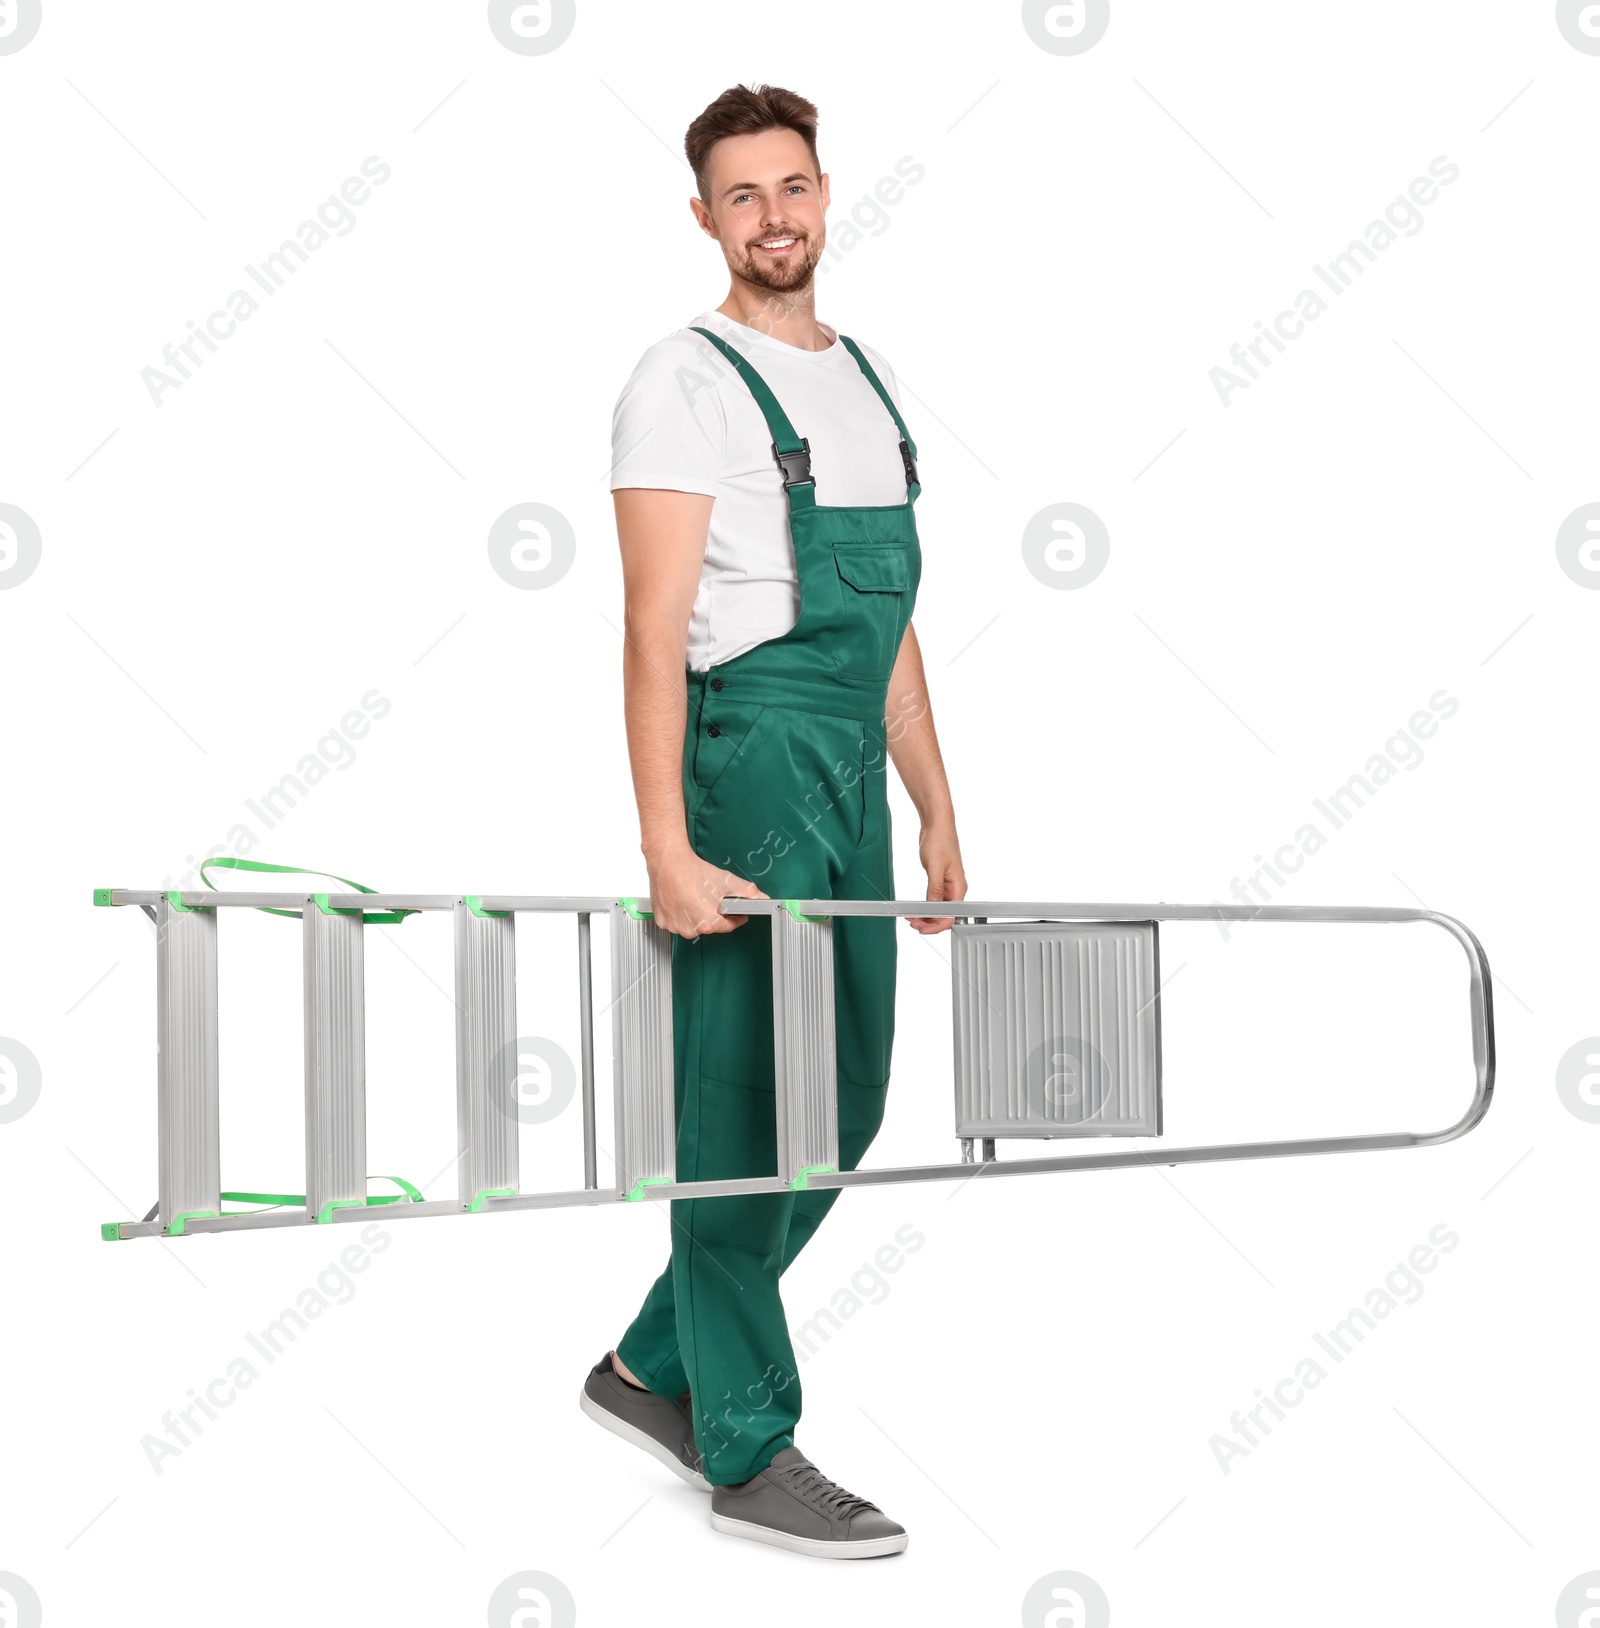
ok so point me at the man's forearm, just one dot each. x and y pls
(655, 705)
(913, 742)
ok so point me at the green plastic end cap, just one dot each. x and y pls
(799, 1184)
(636, 1192)
(632, 908)
(102, 895)
(480, 1203)
(793, 907)
(111, 1231)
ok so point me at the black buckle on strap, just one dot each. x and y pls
(795, 466)
(910, 463)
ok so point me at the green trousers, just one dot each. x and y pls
(796, 801)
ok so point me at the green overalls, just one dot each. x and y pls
(785, 782)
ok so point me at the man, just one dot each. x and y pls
(764, 484)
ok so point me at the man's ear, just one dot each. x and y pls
(822, 186)
(702, 216)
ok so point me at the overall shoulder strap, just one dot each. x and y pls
(908, 446)
(793, 452)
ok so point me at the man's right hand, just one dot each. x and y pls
(685, 891)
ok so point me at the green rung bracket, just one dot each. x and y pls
(382, 918)
(632, 908)
(102, 895)
(175, 1228)
(480, 1203)
(474, 903)
(175, 899)
(637, 1190)
(793, 907)
(407, 1194)
(325, 1214)
(799, 1183)
(320, 900)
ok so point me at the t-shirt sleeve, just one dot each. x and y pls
(669, 428)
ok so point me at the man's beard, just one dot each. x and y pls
(782, 277)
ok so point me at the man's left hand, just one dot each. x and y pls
(947, 880)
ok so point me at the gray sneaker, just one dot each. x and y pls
(662, 1428)
(793, 1505)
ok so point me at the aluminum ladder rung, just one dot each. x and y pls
(187, 1078)
(642, 1052)
(805, 1057)
(486, 1058)
(335, 1058)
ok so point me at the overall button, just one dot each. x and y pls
(716, 683)
(714, 730)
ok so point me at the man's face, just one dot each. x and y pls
(766, 210)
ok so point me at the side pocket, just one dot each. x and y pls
(739, 727)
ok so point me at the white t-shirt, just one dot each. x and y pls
(686, 421)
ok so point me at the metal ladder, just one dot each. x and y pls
(1057, 1036)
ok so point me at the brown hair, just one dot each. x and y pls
(745, 110)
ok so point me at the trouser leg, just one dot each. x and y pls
(720, 1291)
(649, 1348)
(864, 963)
(733, 1337)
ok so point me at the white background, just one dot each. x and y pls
(304, 521)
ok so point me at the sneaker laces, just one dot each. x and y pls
(826, 1495)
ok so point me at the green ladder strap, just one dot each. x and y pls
(406, 1191)
(273, 1201)
(224, 862)
(111, 1231)
(877, 384)
(778, 424)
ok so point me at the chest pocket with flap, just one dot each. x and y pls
(873, 580)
